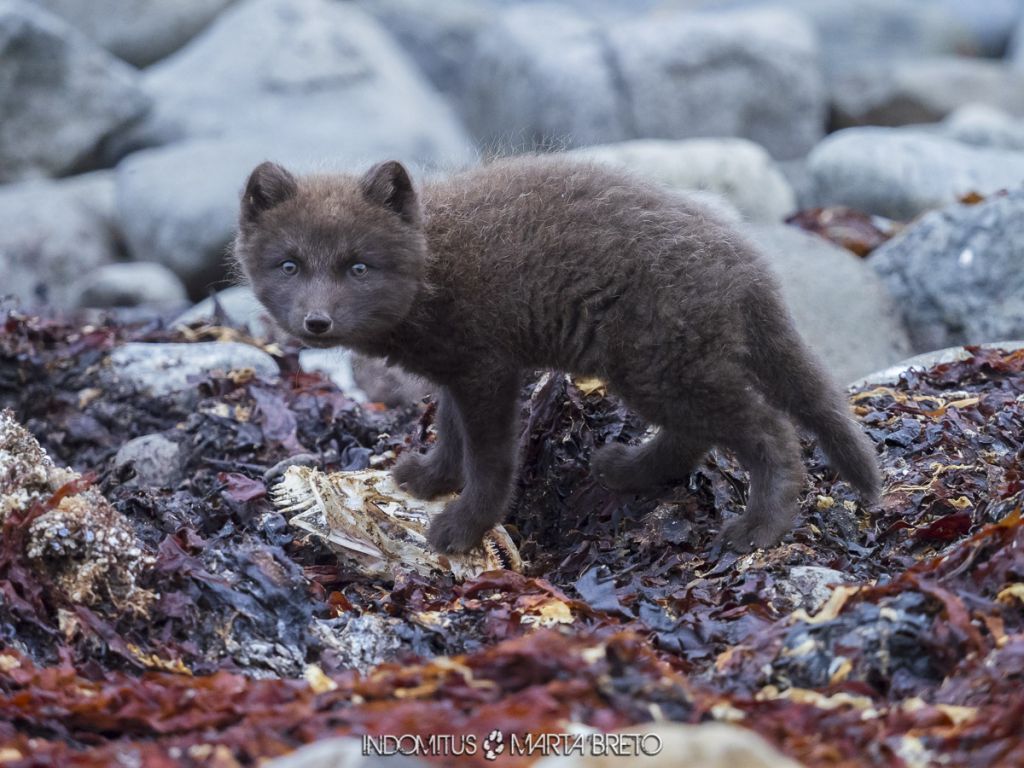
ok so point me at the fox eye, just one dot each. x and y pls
(289, 267)
(358, 269)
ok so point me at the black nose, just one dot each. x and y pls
(318, 323)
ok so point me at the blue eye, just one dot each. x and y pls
(289, 267)
(358, 269)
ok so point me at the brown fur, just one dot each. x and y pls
(541, 262)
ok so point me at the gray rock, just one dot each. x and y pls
(54, 235)
(439, 37)
(854, 31)
(990, 24)
(155, 458)
(132, 284)
(800, 180)
(957, 274)
(363, 641)
(901, 173)
(178, 205)
(1015, 54)
(840, 307)
(138, 31)
(750, 74)
(675, 745)
(547, 75)
(164, 369)
(240, 309)
(335, 82)
(922, 90)
(540, 76)
(336, 364)
(739, 170)
(60, 95)
(985, 126)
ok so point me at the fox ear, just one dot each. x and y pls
(388, 184)
(269, 185)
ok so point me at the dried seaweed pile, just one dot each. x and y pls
(892, 636)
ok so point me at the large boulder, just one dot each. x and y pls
(138, 31)
(739, 170)
(839, 305)
(990, 24)
(439, 37)
(178, 205)
(60, 95)
(901, 173)
(311, 73)
(854, 31)
(54, 235)
(548, 75)
(923, 90)
(957, 273)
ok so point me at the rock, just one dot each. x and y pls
(539, 76)
(164, 369)
(132, 284)
(1016, 52)
(336, 83)
(336, 364)
(854, 31)
(674, 745)
(547, 75)
(985, 126)
(753, 75)
(336, 95)
(922, 90)
(439, 37)
(800, 180)
(138, 31)
(54, 235)
(957, 273)
(901, 173)
(990, 24)
(739, 170)
(665, 744)
(155, 459)
(805, 587)
(840, 307)
(60, 95)
(342, 752)
(178, 205)
(240, 309)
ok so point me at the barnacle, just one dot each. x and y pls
(368, 520)
(85, 545)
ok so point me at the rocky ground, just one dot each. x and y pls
(889, 636)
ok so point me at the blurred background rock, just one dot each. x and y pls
(127, 129)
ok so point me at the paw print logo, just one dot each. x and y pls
(494, 745)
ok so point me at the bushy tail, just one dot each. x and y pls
(792, 379)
